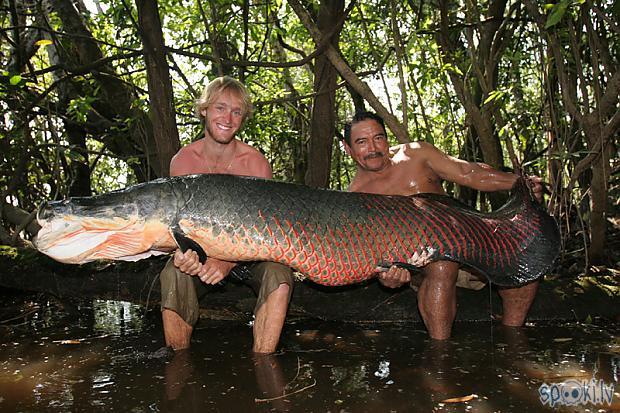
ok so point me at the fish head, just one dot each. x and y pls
(80, 230)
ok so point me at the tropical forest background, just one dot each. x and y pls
(96, 95)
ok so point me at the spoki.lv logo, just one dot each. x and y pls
(574, 392)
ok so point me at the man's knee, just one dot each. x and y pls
(281, 293)
(442, 272)
(178, 293)
(525, 293)
(516, 303)
(273, 278)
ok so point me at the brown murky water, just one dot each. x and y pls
(90, 356)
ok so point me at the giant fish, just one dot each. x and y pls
(330, 237)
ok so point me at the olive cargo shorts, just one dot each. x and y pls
(179, 290)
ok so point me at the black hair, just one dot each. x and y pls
(358, 117)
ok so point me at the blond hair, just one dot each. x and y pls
(218, 86)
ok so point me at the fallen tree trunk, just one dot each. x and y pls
(26, 269)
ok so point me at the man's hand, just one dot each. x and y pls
(214, 271)
(211, 272)
(187, 262)
(394, 277)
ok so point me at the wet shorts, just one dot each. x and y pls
(179, 291)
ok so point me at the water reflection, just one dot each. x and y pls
(117, 317)
(271, 382)
(104, 357)
(177, 373)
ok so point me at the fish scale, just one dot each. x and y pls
(331, 237)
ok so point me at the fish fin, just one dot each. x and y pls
(241, 271)
(111, 245)
(137, 257)
(185, 243)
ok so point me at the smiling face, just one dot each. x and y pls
(369, 147)
(224, 116)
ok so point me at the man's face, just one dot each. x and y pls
(369, 146)
(224, 116)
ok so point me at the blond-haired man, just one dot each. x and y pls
(223, 107)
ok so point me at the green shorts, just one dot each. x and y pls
(179, 291)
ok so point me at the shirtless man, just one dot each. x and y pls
(416, 167)
(223, 107)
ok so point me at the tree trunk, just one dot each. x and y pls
(358, 100)
(165, 129)
(18, 217)
(598, 192)
(116, 100)
(79, 167)
(483, 58)
(366, 302)
(598, 208)
(297, 148)
(322, 129)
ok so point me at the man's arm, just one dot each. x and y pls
(260, 168)
(476, 175)
(252, 162)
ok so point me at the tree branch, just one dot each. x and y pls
(19, 217)
(347, 73)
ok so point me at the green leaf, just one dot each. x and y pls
(14, 80)
(452, 68)
(72, 154)
(79, 108)
(556, 14)
(494, 95)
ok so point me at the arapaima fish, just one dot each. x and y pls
(331, 237)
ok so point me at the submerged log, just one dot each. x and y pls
(559, 298)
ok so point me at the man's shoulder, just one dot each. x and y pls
(191, 149)
(186, 159)
(250, 151)
(246, 147)
(253, 162)
(410, 148)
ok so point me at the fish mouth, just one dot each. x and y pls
(71, 239)
(76, 240)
